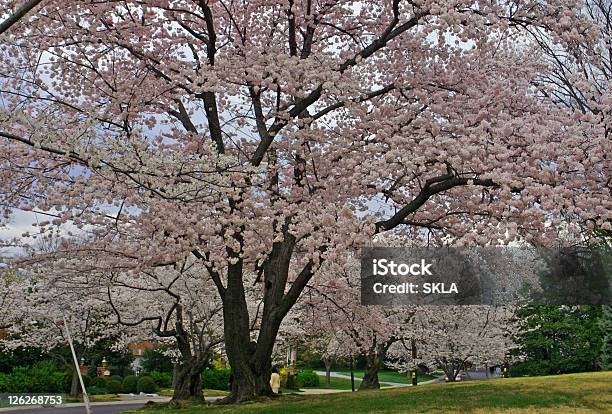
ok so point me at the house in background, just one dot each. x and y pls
(138, 349)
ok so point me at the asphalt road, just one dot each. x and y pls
(96, 409)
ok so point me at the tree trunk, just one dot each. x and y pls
(74, 384)
(328, 365)
(374, 362)
(251, 369)
(370, 377)
(188, 381)
(251, 361)
(352, 376)
(187, 376)
(175, 375)
(452, 369)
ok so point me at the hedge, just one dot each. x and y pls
(162, 379)
(99, 382)
(216, 379)
(40, 378)
(96, 390)
(307, 378)
(147, 385)
(113, 386)
(130, 384)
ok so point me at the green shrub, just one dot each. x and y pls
(115, 377)
(46, 378)
(5, 383)
(531, 368)
(130, 384)
(162, 379)
(147, 385)
(99, 382)
(96, 390)
(307, 378)
(113, 386)
(291, 382)
(20, 380)
(216, 379)
(40, 378)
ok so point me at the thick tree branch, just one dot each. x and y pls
(213, 273)
(432, 186)
(18, 15)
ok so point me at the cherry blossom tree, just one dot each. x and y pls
(577, 79)
(38, 313)
(344, 327)
(189, 313)
(266, 137)
(454, 337)
(175, 303)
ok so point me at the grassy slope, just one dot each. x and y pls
(575, 393)
(391, 376)
(338, 383)
(342, 383)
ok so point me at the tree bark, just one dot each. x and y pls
(188, 380)
(251, 361)
(74, 384)
(374, 362)
(370, 377)
(251, 366)
(328, 365)
(187, 376)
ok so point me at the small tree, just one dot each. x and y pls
(605, 325)
(558, 339)
(157, 360)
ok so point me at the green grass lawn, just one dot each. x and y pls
(168, 392)
(338, 383)
(95, 398)
(345, 383)
(391, 376)
(574, 393)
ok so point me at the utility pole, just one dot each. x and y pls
(78, 370)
